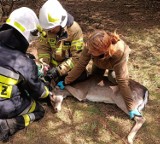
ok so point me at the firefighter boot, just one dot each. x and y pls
(12, 123)
(7, 128)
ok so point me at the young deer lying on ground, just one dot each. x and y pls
(99, 89)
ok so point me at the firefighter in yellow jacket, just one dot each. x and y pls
(61, 40)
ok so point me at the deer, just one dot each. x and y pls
(100, 89)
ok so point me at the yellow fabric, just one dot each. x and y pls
(5, 90)
(78, 44)
(55, 63)
(43, 34)
(32, 107)
(39, 28)
(8, 81)
(6, 85)
(46, 93)
(26, 119)
(70, 63)
(65, 47)
(51, 19)
(52, 42)
(59, 50)
(17, 25)
(43, 55)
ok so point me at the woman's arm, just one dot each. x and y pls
(79, 67)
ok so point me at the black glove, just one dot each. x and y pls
(52, 74)
(31, 56)
(62, 34)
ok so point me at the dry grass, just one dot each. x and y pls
(98, 123)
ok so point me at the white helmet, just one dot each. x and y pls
(24, 20)
(52, 14)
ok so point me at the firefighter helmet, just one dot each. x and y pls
(24, 20)
(52, 14)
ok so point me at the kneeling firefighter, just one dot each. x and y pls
(19, 83)
(61, 40)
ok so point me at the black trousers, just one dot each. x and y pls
(33, 113)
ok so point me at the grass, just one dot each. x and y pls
(98, 123)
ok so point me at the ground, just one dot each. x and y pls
(138, 23)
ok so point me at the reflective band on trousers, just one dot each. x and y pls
(26, 119)
(16, 24)
(45, 93)
(33, 106)
(30, 108)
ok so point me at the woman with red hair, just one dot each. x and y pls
(110, 52)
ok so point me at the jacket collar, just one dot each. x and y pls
(13, 39)
(70, 20)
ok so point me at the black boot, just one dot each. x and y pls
(12, 123)
(7, 128)
(4, 130)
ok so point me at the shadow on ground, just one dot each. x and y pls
(98, 123)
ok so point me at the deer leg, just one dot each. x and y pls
(139, 121)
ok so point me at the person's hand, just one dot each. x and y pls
(134, 113)
(61, 85)
(52, 74)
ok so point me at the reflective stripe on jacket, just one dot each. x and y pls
(65, 52)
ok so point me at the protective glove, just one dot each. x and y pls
(40, 71)
(62, 34)
(61, 85)
(134, 113)
(31, 56)
(52, 74)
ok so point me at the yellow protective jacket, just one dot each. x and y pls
(62, 54)
(118, 63)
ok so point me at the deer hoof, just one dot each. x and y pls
(130, 140)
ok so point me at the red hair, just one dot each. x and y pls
(101, 39)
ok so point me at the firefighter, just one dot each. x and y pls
(109, 52)
(20, 87)
(61, 40)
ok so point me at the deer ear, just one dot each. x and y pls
(52, 97)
